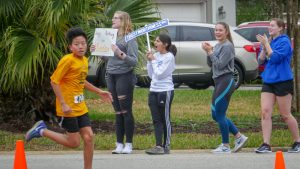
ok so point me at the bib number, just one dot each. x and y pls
(79, 98)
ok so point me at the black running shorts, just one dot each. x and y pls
(74, 124)
(280, 88)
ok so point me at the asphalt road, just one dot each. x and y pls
(187, 159)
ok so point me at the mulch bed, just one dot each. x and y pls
(109, 127)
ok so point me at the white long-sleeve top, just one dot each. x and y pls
(160, 71)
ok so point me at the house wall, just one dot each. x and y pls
(207, 11)
(179, 10)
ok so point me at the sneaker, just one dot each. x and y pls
(156, 150)
(222, 149)
(119, 148)
(35, 131)
(167, 149)
(264, 148)
(239, 143)
(127, 149)
(295, 148)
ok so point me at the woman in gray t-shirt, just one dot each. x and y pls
(121, 81)
(221, 59)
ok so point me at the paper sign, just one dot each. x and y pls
(148, 28)
(103, 39)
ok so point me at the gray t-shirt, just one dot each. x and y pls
(222, 59)
(115, 65)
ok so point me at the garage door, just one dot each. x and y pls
(192, 12)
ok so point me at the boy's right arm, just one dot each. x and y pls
(65, 108)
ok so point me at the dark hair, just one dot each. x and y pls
(165, 39)
(280, 23)
(226, 26)
(73, 33)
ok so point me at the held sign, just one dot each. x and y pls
(148, 28)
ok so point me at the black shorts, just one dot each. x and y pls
(280, 88)
(74, 124)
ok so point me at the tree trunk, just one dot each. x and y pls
(296, 60)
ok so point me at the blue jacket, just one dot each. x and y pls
(278, 68)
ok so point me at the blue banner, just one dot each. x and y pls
(148, 28)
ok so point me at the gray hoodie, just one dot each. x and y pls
(222, 59)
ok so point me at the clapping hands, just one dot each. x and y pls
(263, 39)
(207, 47)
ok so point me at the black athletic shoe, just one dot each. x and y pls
(264, 148)
(295, 148)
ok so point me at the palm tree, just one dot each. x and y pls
(33, 41)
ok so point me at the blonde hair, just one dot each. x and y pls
(126, 24)
(226, 26)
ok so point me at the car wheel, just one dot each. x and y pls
(176, 85)
(198, 85)
(237, 76)
(143, 82)
(102, 77)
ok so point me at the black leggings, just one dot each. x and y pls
(121, 87)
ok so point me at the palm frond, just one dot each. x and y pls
(9, 12)
(27, 59)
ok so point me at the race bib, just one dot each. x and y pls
(79, 98)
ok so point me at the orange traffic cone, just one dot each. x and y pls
(279, 161)
(20, 160)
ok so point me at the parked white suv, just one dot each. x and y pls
(191, 60)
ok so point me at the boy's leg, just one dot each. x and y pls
(88, 151)
(71, 140)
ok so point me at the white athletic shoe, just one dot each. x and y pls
(119, 148)
(239, 143)
(127, 149)
(221, 149)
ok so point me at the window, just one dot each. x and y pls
(196, 33)
(171, 31)
(262, 31)
(247, 33)
(250, 33)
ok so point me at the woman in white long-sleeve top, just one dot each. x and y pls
(160, 67)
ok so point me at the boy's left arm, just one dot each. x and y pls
(106, 96)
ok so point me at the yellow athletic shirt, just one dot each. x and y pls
(70, 75)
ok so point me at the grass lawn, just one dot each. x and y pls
(190, 108)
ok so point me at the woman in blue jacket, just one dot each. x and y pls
(277, 83)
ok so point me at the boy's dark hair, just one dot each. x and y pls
(165, 39)
(73, 33)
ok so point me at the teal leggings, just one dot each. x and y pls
(224, 87)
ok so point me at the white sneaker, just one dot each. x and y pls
(239, 143)
(119, 148)
(222, 149)
(127, 149)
